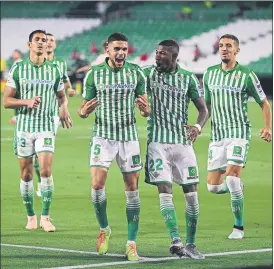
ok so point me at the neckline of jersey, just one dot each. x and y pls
(230, 70)
(36, 66)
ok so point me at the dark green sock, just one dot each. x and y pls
(133, 213)
(47, 188)
(100, 205)
(26, 190)
(169, 215)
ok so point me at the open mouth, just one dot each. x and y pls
(119, 61)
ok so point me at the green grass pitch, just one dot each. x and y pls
(77, 228)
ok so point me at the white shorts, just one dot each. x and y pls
(104, 151)
(28, 144)
(171, 163)
(56, 123)
(227, 151)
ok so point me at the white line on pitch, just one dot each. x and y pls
(144, 259)
(61, 250)
(158, 259)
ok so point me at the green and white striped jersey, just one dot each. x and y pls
(169, 95)
(116, 91)
(228, 93)
(64, 74)
(29, 81)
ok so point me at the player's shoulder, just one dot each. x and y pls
(245, 69)
(185, 72)
(212, 67)
(133, 66)
(59, 59)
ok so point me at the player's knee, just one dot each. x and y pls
(27, 174)
(213, 188)
(45, 172)
(233, 170)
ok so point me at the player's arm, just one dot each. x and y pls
(89, 103)
(141, 100)
(207, 93)
(68, 87)
(83, 69)
(195, 95)
(64, 114)
(255, 90)
(11, 88)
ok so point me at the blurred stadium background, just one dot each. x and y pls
(80, 29)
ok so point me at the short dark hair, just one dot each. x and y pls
(117, 37)
(233, 37)
(49, 34)
(18, 51)
(170, 43)
(105, 44)
(36, 32)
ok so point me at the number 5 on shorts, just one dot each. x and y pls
(97, 149)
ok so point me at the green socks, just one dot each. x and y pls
(26, 190)
(47, 188)
(237, 199)
(169, 214)
(133, 213)
(192, 214)
(100, 205)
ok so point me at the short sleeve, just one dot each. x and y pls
(254, 88)
(141, 87)
(89, 89)
(59, 84)
(194, 90)
(205, 86)
(13, 78)
(65, 72)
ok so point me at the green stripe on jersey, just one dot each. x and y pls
(228, 93)
(116, 91)
(62, 65)
(169, 95)
(30, 81)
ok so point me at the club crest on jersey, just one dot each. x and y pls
(129, 73)
(181, 78)
(237, 77)
(48, 69)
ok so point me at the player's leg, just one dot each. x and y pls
(24, 150)
(216, 168)
(129, 161)
(37, 172)
(44, 147)
(102, 153)
(158, 172)
(185, 173)
(36, 162)
(236, 156)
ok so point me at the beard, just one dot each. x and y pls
(225, 61)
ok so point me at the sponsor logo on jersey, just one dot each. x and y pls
(155, 84)
(36, 81)
(102, 87)
(224, 87)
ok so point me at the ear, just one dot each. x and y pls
(237, 51)
(29, 44)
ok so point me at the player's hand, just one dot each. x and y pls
(12, 120)
(192, 132)
(65, 118)
(34, 102)
(71, 92)
(266, 134)
(90, 106)
(142, 103)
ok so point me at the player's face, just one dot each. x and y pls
(163, 59)
(38, 44)
(117, 51)
(51, 44)
(228, 50)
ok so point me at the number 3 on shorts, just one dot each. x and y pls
(22, 142)
(97, 149)
(159, 165)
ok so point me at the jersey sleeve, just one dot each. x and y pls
(59, 84)
(13, 78)
(65, 72)
(141, 87)
(205, 86)
(89, 88)
(254, 88)
(194, 90)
